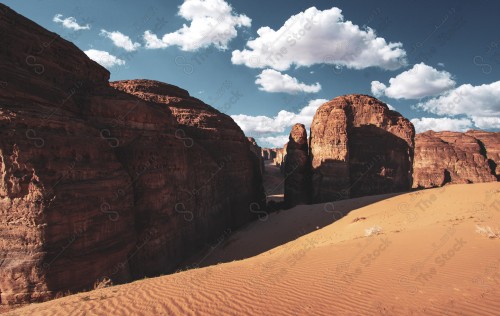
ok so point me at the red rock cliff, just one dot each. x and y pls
(490, 147)
(297, 168)
(257, 151)
(453, 157)
(359, 147)
(96, 182)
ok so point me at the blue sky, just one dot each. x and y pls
(271, 64)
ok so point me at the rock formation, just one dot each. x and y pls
(453, 157)
(359, 147)
(257, 151)
(297, 169)
(266, 153)
(280, 158)
(269, 153)
(490, 146)
(100, 181)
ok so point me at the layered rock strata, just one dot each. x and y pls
(100, 181)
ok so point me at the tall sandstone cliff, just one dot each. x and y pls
(359, 147)
(489, 143)
(100, 181)
(257, 151)
(297, 170)
(280, 158)
(453, 157)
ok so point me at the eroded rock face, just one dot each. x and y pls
(453, 157)
(267, 153)
(359, 147)
(280, 158)
(257, 151)
(490, 146)
(297, 169)
(98, 181)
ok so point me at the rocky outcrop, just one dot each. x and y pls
(267, 153)
(100, 181)
(280, 158)
(453, 157)
(489, 143)
(257, 151)
(359, 147)
(297, 169)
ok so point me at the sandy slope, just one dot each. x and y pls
(426, 258)
(274, 182)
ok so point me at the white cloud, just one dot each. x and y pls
(378, 88)
(440, 64)
(481, 103)
(391, 107)
(212, 23)
(103, 58)
(441, 124)
(252, 125)
(273, 141)
(319, 37)
(258, 125)
(484, 122)
(419, 82)
(70, 23)
(121, 40)
(273, 81)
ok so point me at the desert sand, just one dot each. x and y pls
(435, 251)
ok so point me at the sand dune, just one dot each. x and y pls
(427, 252)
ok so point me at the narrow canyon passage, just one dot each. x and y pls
(274, 182)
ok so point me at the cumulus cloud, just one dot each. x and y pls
(104, 58)
(419, 82)
(378, 88)
(274, 81)
(480, 103)
(273, 131)
(486, 122)
(259, 125)
(441, 124)
(319, 37)
(70, 23)
(213, 22)
(121, 40)
(273, 141)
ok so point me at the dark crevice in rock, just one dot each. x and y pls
(447, 177)
(484, 152)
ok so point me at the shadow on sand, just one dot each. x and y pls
(277, 229)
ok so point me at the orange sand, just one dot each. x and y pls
(419, 253)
